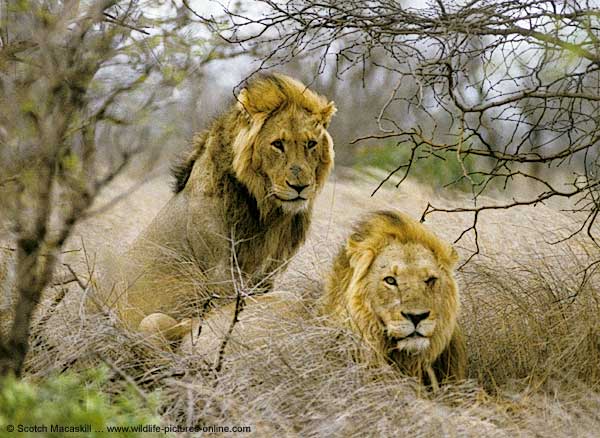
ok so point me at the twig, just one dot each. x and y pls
(238, 283)
(74, 277)
(124, 375)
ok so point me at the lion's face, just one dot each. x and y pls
(283, 152)
(412, 297)
(392, 284)
(294, 149)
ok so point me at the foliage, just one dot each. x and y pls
(81, 85)
(73, 399)
(433, 171)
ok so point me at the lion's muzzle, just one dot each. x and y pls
(412, 332)
(293, 196)
(299, 188)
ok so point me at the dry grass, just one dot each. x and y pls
(533, 331)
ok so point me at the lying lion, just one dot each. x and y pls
(242, 206)
(391, 284)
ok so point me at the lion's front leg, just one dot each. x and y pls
(162, 329)
(264, 282)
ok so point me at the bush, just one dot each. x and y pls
(74, 401)
(443, 168)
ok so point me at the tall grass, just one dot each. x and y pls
(531, 323)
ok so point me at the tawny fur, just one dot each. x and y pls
(352, 289)
(242, 205)
(349, 301)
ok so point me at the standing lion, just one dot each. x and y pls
(242, 206)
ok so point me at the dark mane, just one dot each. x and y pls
(181, 169)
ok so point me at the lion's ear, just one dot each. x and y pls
(259, 100)
(262, 96)
(245, 103)
(360, 262)
(453, 258)
(327, 113)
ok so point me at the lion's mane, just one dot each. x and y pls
(347, 300)
(346, 304)
(222, 214)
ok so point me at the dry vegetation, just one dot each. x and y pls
(530, 302)
(532, 325)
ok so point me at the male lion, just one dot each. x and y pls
(391, 284)
(242, 205)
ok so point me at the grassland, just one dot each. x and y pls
(532, 323)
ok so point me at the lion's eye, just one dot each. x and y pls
(311, 144)
(430, 281)
(390, 280)
(278, 144)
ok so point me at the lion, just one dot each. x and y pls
(392, 285)
(242, 205)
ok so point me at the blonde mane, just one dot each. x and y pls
(347, 299)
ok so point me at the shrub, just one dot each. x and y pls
(442, 169)
(73, 400)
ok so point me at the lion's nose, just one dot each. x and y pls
(296, 187)
(416, 318)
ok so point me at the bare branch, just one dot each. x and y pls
(508, 91)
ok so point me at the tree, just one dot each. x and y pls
(69, 72)
(510, 87)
